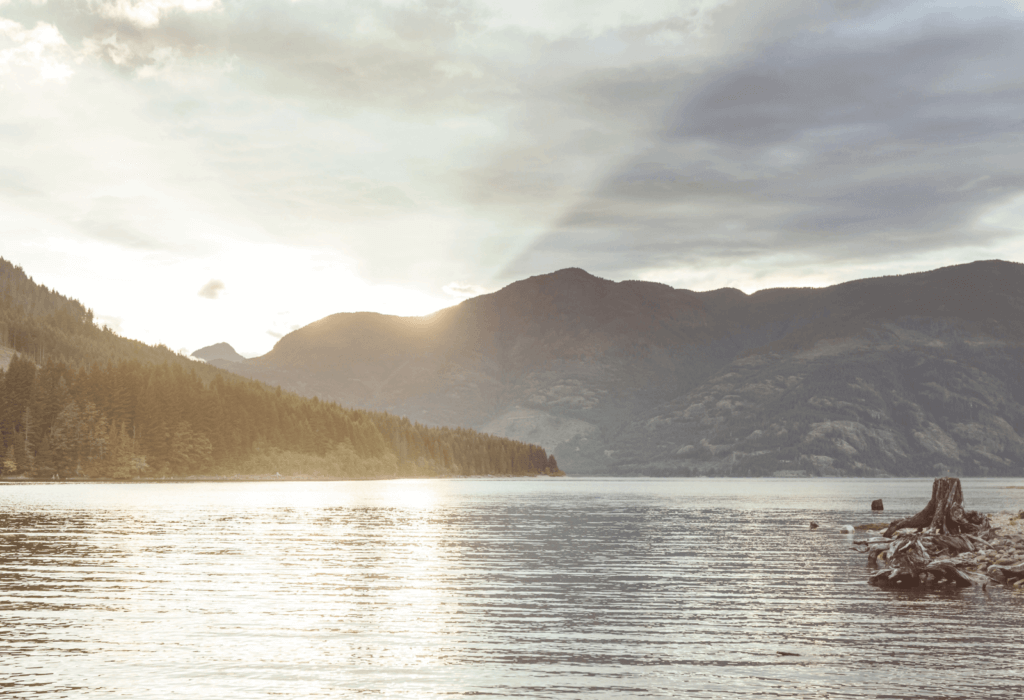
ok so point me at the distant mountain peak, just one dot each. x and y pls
(220, 351)
(566, 275)
(573, 271)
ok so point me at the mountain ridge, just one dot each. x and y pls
(583, 365)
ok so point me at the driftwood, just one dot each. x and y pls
(922, 559)
(936, 554)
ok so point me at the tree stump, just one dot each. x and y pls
(877, 504)
(944, 513)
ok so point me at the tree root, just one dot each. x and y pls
(935, 555)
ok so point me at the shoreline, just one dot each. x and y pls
(238, 478)
(255, 477)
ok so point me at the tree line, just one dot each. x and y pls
(80, 401)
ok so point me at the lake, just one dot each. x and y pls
(484, 588)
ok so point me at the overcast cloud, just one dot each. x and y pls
(391, 155)
(212, 289)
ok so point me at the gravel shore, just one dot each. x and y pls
(1006, 548)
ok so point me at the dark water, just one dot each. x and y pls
(533, 588)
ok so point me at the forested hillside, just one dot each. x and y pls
(81, 401)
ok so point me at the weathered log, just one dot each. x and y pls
(936, 573)
(873, 547)
(945, 512)
(909, 564)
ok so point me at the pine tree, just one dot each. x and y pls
(44, 467)
(27, 461)
(118, 461)
(65, 439)
(8, 466)
(17, 393)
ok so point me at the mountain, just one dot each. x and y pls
(221, 352)
(910, 374)
(78, 400)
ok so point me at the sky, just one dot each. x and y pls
(198, 171)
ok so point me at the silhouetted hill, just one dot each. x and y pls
(869, 376)
(221, 351)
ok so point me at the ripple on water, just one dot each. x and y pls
(488, 588)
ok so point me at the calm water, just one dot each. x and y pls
(530, 588)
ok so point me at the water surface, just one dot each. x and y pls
(483, 588)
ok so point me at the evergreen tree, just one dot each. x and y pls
(16, 395)
(8, 465)
(65, 439)
(119, 460)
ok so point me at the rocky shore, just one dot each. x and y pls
(1005, 550)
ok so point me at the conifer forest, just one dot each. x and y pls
(79, 401)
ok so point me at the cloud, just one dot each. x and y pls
(212, 289)
(923, 87)
(463, 290)
(483, 140)
(147, 13)
(123, 221)
(409, 55)
(41, 50)
(860, 143)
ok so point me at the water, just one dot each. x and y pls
(488, 588)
